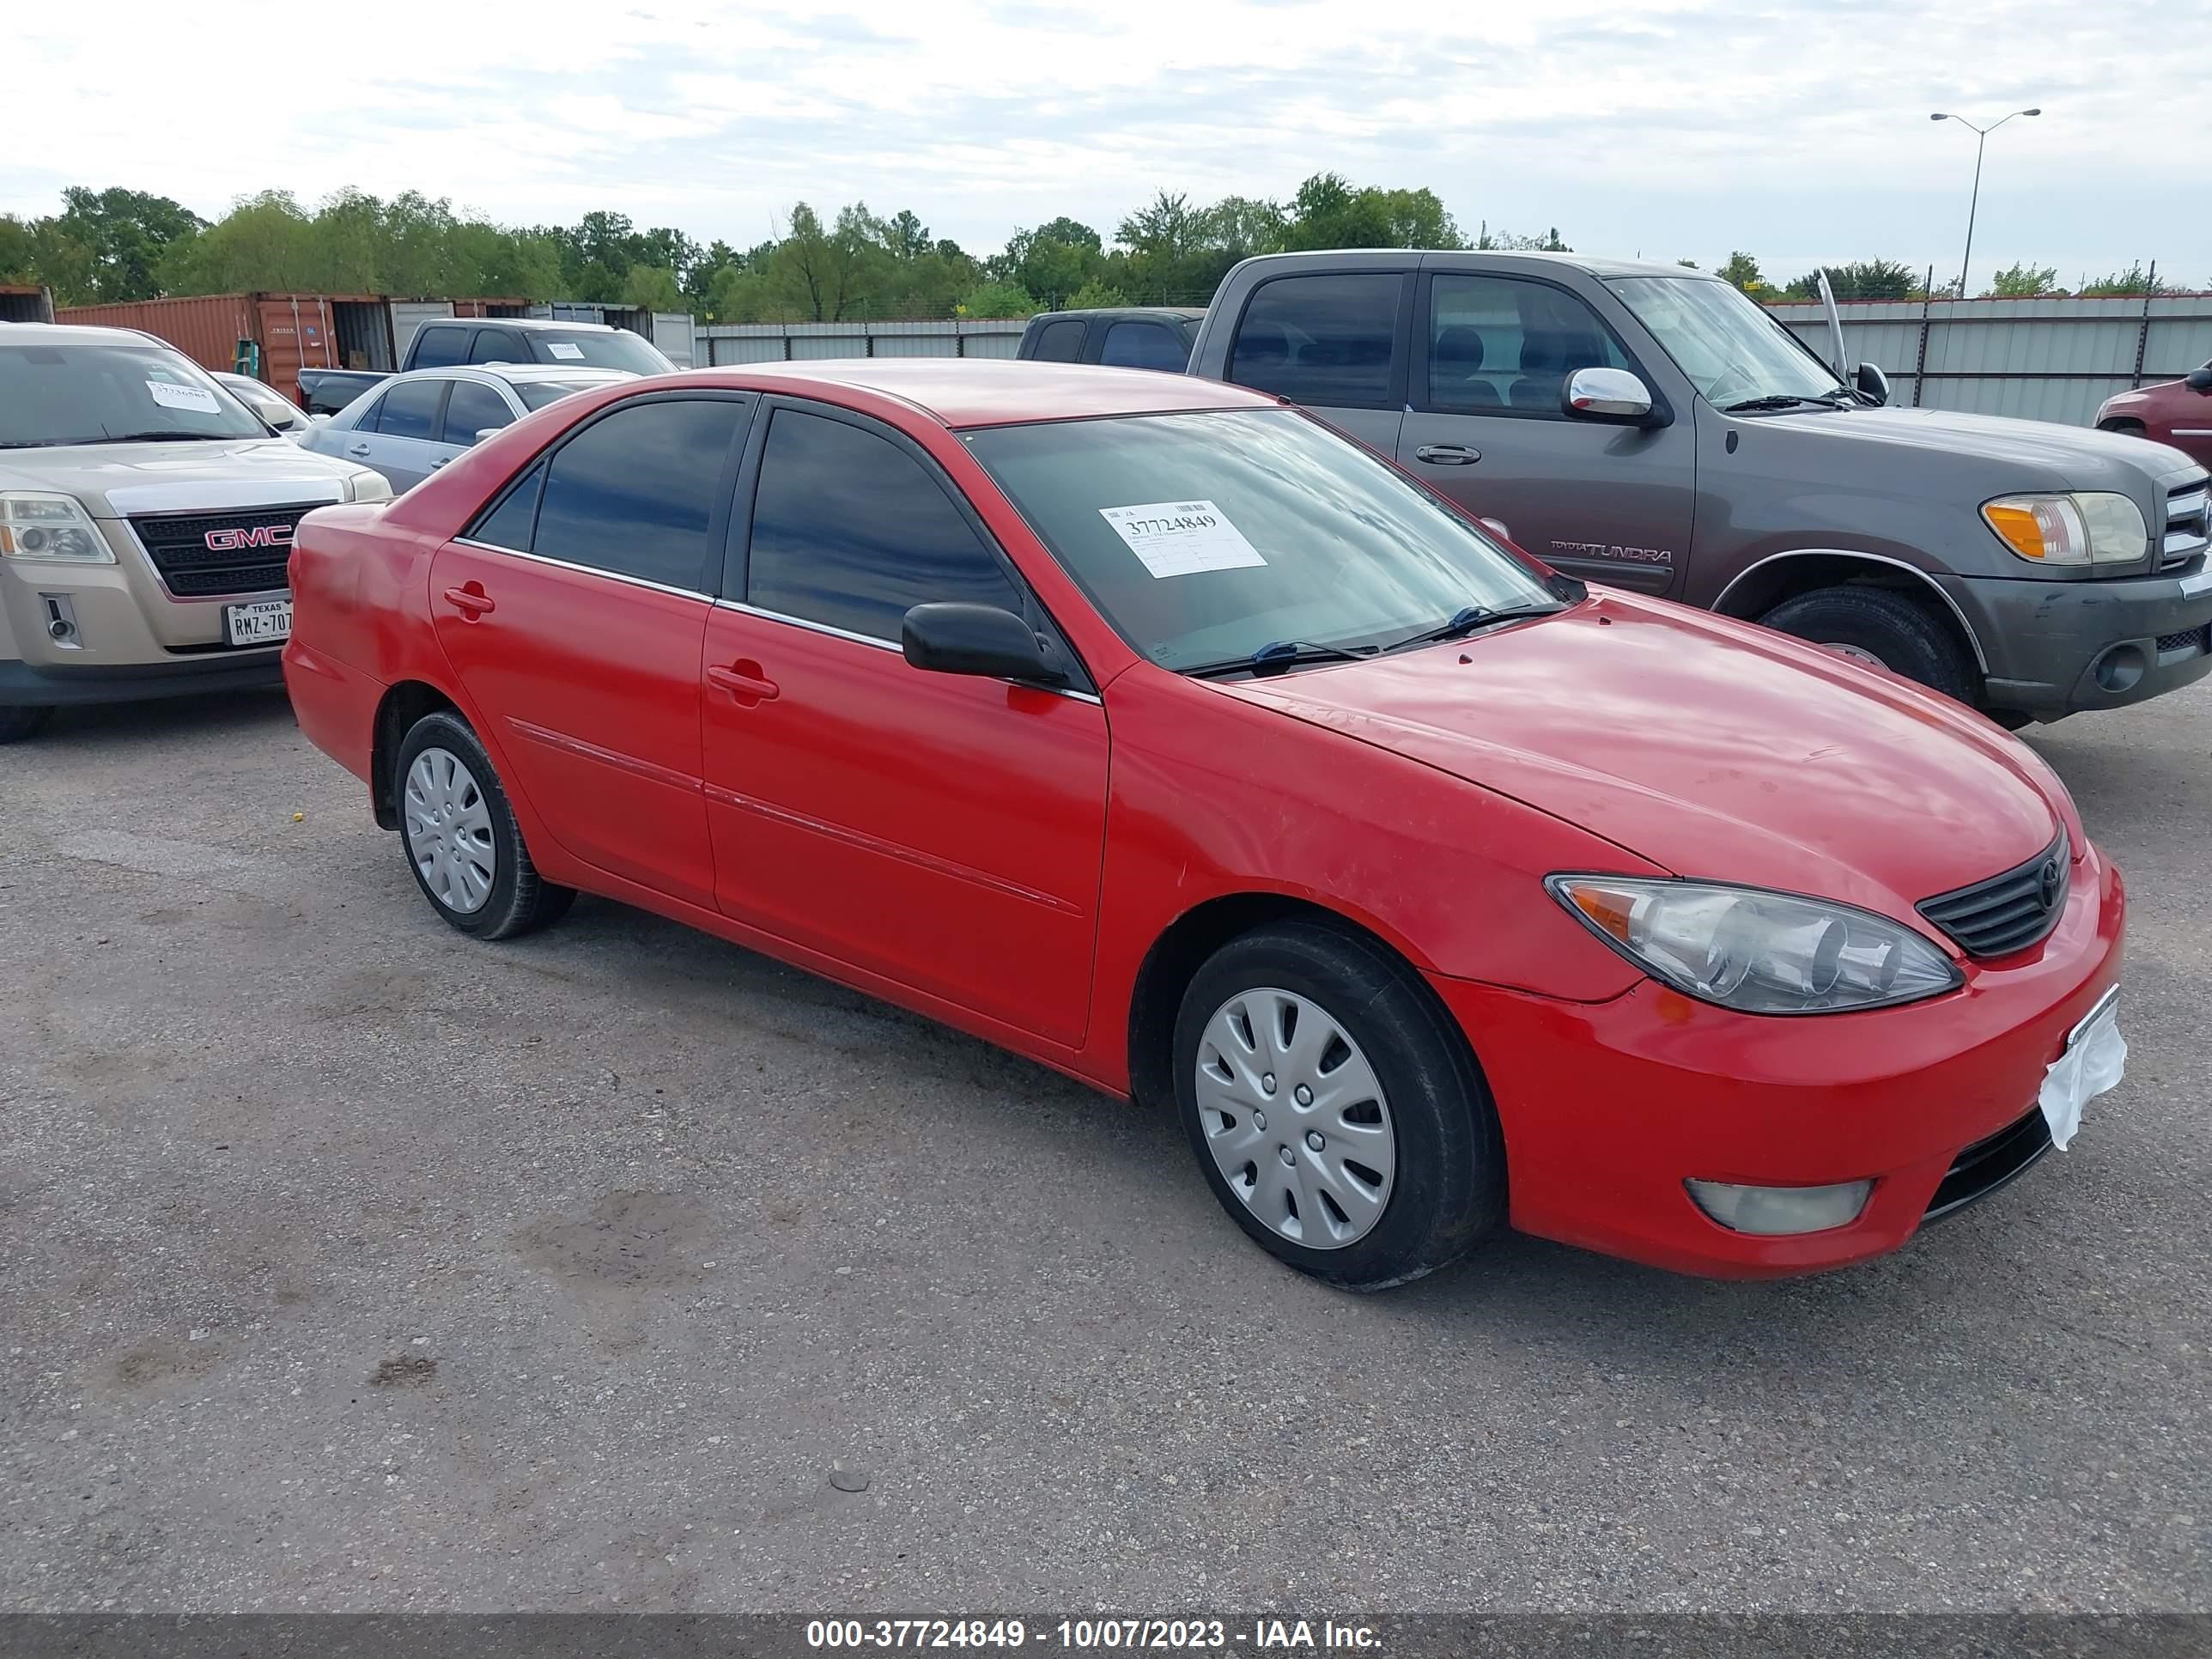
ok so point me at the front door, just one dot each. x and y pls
(943, 831)
(1608, 503)
(573, 612)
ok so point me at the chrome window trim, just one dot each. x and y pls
(873, 643)
(585, 569)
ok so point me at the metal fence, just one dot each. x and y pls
(775, 342)
(2044, 359)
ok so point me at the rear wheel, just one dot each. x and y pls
(17, 724)
(461, 838)
(1883, 629)
(1333, 1108)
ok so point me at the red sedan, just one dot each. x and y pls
(2177, 412)
(1146, 728)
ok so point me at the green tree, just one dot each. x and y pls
(1861, 279)
(652, 288)
(1094, 295)
(822, 272)
(264, 241)
(1328, 211)
(2024, 281)
(1741, 269)
(997, 299)
(2124, 284)
(1052, 261)
(127, 233)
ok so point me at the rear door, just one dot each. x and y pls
(1491, 356)
(401, 433)
(572, 611)
(1334, 341)
(942, 832)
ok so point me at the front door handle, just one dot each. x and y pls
(744, 680)
(470, 601)
(358, 449)
(440, 462)
(1447, 454)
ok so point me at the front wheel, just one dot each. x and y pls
(1335, 1109)
(1882, 629)
(461, 838)
(17, 724)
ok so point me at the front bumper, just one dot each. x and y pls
(1609, 1108)
(2058, 647)
(27, 685)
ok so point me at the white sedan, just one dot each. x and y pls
(408, 426)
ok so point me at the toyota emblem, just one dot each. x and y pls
(2047, 884)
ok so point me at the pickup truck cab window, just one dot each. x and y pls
(1060, 342)
(1322, 340)
(858, 559)
(1497, 344)
(635, 492)
(438, 345)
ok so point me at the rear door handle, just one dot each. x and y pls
(745, 682)
(1447, 454)
(358, 449)
(471, 601)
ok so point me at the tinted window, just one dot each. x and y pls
(1144, 345)
(634, 493)
(535, 394)
(471, 409)
(507, 525)
(1495, 342)
(1059, 342)
(849, 530)
(1320, 340)
(78, 394)
(410, 410)
(437, 344)
(498, 345)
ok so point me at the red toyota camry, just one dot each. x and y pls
(1147, 728)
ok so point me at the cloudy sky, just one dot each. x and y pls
(1676, 129)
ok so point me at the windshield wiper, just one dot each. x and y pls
(162, 438)
(1278, 654)
(1467, 618)
(1786, 400)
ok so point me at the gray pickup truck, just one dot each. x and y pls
(1648, 426)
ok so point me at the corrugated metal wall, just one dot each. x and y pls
(2043, 359)
(764, 343)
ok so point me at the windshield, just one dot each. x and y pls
(1731, 350)
(65, 393)
(618, 348)
(1203, 537)
(535, 394)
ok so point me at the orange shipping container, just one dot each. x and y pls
(292, 330)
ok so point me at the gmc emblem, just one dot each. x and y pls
(265, 535)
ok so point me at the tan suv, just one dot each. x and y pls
(146, 518)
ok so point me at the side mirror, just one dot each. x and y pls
(1607, 394)
(483, 432)
(1871, 382)
(2199, 379)
(978, 639)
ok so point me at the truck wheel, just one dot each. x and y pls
(17, 724)
(1887, 630)
(461, 838)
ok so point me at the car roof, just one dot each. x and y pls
(74, 334)
(1438, 258)
(516, 372)
(527, 323)
(1187, 313)
(972, 391)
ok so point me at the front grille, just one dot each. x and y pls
(177, 544)
(2187, 526)
(2194, 641)
(2005, 912)
(1989, 1163)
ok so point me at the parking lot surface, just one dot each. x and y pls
(348, 1264)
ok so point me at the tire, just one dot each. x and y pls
(454, 821)
(1896, 630)
(18, 724)
(1416, 1199)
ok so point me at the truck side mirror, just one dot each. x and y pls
(1607, 394)
(2199, 379)
(1871, 382)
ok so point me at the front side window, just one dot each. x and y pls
(851, 531)
(410, 410)
(474, 408)
(1323, 340)
(1497, 343)
(1144, 345)
(634, 493)
(59, 393)
(437, 345)
(1732, 351)
(1203, 537)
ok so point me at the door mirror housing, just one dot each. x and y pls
(2199, 379)
(982, 640)
(483, 432)
(1871, 382)
(1607, 394)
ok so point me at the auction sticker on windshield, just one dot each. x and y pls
(1180, 539)
(170, 395)
(563, 349)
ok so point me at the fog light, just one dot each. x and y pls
(1772, 1210)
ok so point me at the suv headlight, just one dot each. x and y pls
(49, 527)
(2095, 526)
(1756, 951)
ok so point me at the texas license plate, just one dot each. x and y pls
(257, 621)
(2095, 1056)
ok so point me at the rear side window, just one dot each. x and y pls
(410, 410)
(634, 493)
(852, 532)
(1322, 340)
(498, 345)
(1059, 342)
(1144, 345)
(438, 346)
(471, 409)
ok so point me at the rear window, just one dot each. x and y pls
(61, 393)
(1322, 340)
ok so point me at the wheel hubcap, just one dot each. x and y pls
(448, 824)
(1857, 653)
(1320, 1174)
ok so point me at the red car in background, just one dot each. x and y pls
(1146, 728)
(2177, 412)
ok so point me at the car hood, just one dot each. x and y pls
(116, 480)
(1711, 747)
(1995, 453)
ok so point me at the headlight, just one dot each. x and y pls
(1756, 951)
(2088, 527)
(369, 486)
(49, 527)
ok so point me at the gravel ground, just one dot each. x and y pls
(349, 1265)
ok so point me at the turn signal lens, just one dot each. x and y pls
(2087, 528)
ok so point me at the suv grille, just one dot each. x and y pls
(2005, 912)
(2187, 526)
(1990, 1163)
(179, 544)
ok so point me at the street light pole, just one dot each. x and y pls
(1981, 141)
